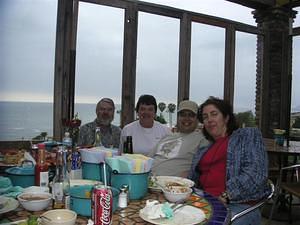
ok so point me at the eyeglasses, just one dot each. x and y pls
(187, 114)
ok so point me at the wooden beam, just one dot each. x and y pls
(129, 64)
(184, 58)
(296, 31)
(229, 64)
(64, 61)
(255, 4)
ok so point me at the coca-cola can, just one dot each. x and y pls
(102, 203)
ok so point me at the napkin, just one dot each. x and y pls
(6, 188)
(130, 163)
(97, 154)
(154, 210)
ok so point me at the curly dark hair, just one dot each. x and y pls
(146, 100)
(226, 110)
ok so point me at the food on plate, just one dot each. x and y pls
(172, 183)
(177, 189)
(155, 210)
(162, 182)
(14, 156)
(31, 197)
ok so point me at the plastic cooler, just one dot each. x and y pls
(80, 198)
(137, 182)
(92, 159)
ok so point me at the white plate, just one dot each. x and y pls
(9, 204)
(163, 180)
(187, 215)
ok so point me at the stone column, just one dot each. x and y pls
(274, 64)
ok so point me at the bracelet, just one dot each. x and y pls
(225, 196)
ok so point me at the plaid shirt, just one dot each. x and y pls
(109, 137)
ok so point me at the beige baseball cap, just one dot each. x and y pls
(188, 105)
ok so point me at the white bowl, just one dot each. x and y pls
(58, 217)
(177, 194)
(35, 201)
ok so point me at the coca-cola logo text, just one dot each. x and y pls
(105, 204)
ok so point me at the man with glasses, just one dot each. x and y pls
(173, 154)
(109, 134)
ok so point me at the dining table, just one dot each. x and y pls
(279, 157)
(216, 212)
(282, 153)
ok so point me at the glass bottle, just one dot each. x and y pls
(125, 147)
(97, 137)
(61, 181)
(129, 145)
(67, 140)
(41, 167)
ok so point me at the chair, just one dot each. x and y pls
(257, 205)
(287, 184)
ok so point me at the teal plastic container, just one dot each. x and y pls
(94, 171)
(23, 176)
(80, 199)
(137, 182)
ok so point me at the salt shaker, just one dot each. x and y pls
(123, 198)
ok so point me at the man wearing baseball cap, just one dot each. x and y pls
(173, 154)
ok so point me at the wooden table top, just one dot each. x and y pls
(215, 211)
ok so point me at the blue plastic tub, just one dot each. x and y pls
(137, 182)
(23, 176)
(80, 199)
(94, 171)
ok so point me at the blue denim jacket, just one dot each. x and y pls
(246, 166)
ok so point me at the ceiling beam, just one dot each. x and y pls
(261, 4)
(255, 4)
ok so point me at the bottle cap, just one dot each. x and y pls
(41, 145)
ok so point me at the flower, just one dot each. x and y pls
(73, 127)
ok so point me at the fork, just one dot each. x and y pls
(177, 206)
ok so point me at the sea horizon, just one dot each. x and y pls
(24, 120)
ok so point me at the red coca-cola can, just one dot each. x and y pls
(102, 203)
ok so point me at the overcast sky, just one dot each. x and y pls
(27, 45)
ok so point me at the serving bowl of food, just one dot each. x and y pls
(58, 217)
(177, 193)
(35, 201)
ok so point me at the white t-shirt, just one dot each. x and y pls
(143, 139)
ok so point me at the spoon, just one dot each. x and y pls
(46, 218)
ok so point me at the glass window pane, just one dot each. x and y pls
(99, 58)
(207, 62)
(157, 57)
(245, 72)
(27, 48)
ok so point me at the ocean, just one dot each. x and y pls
(26, 120)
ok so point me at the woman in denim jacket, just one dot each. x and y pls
(234, 167)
